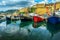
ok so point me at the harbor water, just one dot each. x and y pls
(18, 30)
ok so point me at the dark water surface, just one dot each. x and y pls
(18, 30)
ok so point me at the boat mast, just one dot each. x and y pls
(54, 9)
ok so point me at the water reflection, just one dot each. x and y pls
(56, 36)
(53, 28)
(40, 33)
(25, 31)
(2, 26)
(22, 24)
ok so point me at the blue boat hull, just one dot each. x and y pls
(53, 24)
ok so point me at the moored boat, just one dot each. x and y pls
(37, 18)
(53, 22)
(24, 19)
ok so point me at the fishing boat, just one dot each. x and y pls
(37, 18)
(25, 18)
(56, 16)
(53, 22)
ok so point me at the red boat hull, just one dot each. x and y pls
(37, 19)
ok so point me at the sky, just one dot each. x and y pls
(16, 4)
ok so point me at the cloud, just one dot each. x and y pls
(15, 3)
(22, 3)
(57, 0)
(3, 3)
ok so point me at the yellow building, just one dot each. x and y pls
(58, 5)
(39, 9)
(42, 8)
(24, 10)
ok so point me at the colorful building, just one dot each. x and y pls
(41, 8)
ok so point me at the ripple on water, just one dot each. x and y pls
(2, 26)
(56, 36)
(12, 29)
(40, 33)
